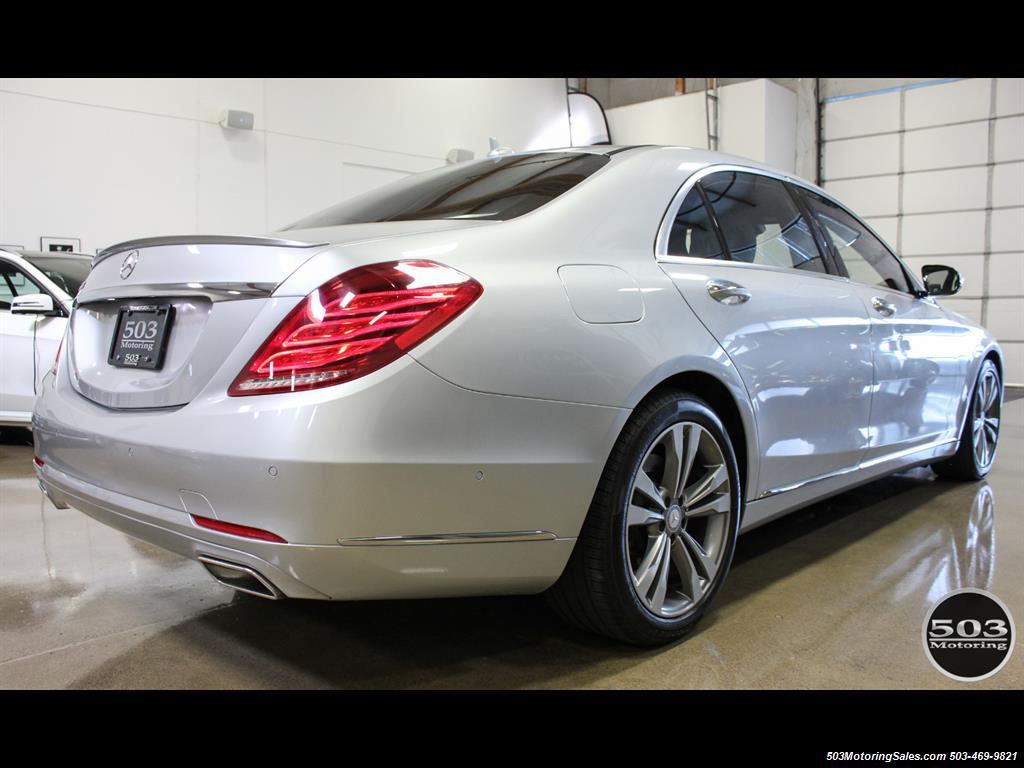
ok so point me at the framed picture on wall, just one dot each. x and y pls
(60, 244)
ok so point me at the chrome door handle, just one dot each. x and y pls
(727, 292)
(883, 307)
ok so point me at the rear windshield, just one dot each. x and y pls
(495, 189)
(68, 274)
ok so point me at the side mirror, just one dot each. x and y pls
(32, 304)
(941, 280)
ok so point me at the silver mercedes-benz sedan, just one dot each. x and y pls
(582, 371)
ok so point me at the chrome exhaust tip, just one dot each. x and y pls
(240, 578)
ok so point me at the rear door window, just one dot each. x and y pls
(760, 221)
(693, 233)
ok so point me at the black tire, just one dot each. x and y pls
(596, 591)
(965, 464)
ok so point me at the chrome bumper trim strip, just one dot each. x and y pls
(212, 291)
(447, 538)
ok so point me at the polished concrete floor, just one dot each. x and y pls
(833, 596)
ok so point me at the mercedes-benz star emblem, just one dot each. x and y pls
(128, 265)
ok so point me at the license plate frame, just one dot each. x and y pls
(148, 350)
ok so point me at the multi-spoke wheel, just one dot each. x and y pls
(980, 436)
(678, 519)
(660, 533)
(986, 418)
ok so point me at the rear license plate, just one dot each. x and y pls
(140, 337)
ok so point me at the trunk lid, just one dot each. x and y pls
(216, 285)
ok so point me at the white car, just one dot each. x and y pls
(36, 293)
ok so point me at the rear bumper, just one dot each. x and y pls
(328, 572)
(404, 454)
(171, 530)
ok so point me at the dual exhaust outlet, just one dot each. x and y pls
(241, 578)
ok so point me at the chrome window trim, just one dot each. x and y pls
(699, 260)
(665, 228)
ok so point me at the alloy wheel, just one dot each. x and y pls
(986, 418)
(677, 520)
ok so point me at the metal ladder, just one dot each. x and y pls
(711, 111)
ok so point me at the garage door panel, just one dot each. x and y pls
(941, 233)
(1008, 185)
(861, 116)
(946, 147)
(956, 156)
(947, 103)
(1013, 360)
(1009, 139)
(1009, 96)
(1006, 274)
(869, 156)
(930, 191)
(1004, 318)
(1008, 229)
(878, 196)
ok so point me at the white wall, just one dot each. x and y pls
(106, 160)
(938, 170)
(756, 119)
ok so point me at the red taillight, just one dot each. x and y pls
(356, 323)
(237, 530)
(56, 359)
(38, 462)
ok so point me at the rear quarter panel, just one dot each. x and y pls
(522, 337)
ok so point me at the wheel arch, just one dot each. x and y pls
(738, 421)
(995, 355)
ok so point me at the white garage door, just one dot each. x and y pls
(938, 170)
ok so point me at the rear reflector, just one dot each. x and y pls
(38, 462)
(356, 323)
(56, 358)
(237, 530)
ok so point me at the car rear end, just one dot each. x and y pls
(250, 403)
